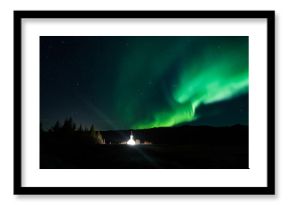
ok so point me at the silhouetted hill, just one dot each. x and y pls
(183, 135)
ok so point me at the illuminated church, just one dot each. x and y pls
(131, 141)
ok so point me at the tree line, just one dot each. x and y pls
(69, 132)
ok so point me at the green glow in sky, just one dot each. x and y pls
(130, 82)
(186, 72)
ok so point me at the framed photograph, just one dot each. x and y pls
(144, 102)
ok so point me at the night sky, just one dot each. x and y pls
(136, 82)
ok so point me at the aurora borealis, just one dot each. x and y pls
(136, 82)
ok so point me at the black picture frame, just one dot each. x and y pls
(269, 189)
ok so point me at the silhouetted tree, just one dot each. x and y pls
(56, 127)
(80, 129)
(68, 123)
(74, 126)
(68, 127)
(92, 132)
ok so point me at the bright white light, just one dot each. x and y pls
(131, 141)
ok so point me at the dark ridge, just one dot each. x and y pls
(183, 135)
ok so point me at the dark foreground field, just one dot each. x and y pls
(185, 147)
(145, 157)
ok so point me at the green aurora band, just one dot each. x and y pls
(163, 80)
